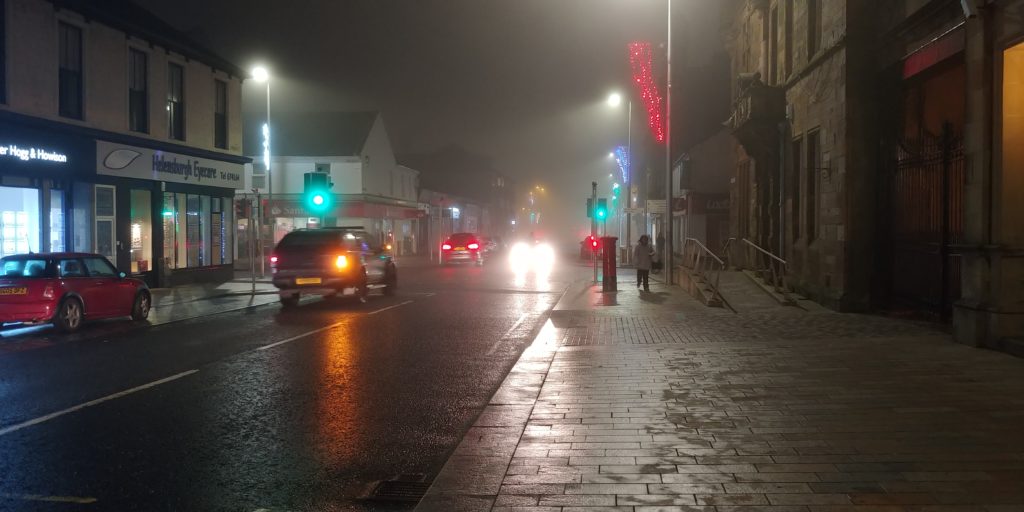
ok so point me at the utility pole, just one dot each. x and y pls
(668, 153)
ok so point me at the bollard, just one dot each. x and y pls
(610, 281)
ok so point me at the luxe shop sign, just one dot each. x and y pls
(149, 164)
(27, 153)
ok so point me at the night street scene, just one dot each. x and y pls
(512, 255)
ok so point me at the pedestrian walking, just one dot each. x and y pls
(643, 257)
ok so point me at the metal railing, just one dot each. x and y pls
(769, 267)
(698, 259)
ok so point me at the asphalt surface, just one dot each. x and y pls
(305, 409)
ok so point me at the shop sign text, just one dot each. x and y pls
(27, 153)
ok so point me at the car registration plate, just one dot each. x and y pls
(307, 280)
(13, 291)
(460, 248)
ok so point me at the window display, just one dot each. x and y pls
(57, 221)
(141, 231)
(19, 220)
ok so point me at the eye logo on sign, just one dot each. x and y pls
(120, 158)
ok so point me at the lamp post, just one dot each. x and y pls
(614, 100)
(261, 75)
(668, 151)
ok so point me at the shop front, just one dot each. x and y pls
(38, 169)
(391, 222)
(175, 224)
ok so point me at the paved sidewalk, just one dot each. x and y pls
(653, 402)
(195, 300)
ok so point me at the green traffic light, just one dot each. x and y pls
(318, 200)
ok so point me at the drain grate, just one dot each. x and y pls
(399, 490)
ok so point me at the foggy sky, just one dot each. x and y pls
(520, 81)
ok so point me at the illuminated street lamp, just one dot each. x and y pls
(614, 100)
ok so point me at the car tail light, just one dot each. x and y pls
(273, 260)
(473, 246)
(447, 246)
(48, 292)
(341, 261)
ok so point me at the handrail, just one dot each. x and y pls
(766, 253)
(705, 263)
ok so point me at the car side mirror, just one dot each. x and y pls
(122, 275)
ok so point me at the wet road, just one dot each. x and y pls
(261, 408)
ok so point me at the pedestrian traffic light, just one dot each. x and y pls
(317, 192)
(590, 207)
(593, 242)
(601, 212)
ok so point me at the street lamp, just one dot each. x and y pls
(614, 100)
(261, 75)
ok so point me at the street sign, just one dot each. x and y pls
(633, 210)
(656, 206)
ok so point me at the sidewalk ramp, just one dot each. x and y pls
(743, 295)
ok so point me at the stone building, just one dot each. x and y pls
(878, 157)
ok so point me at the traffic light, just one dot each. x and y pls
(601, 212)
(316, 192)
(593, 242)
(590, 207)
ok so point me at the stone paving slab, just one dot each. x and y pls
(671, 406)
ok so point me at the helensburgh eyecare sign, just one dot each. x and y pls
(151, 164)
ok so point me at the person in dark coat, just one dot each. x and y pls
(643, 257)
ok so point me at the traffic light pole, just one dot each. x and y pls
(593, 224)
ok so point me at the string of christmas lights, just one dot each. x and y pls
(622, 158)
(640, 59)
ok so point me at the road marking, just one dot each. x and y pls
(293, 338)
(54, 499)
(52, 415)
(505, 336)
(389, 307)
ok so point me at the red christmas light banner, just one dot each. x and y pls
(643, 76)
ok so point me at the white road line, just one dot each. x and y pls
(389, 307)
(303, 335)
(505, 336)
(52, 415)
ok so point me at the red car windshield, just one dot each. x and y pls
(25, 267)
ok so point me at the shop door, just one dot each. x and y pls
(926, 193)
(105, 215)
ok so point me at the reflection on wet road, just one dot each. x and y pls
(297, 410)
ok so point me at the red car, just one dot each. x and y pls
(462, 247)
(67, 289)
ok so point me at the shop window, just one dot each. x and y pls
(81, 217)
(141, 231)
(227, 231)
(205, 247)
(216, 231)
(180, 231)
(57, 221)
(19, 220)
(105, 215)
(220, 114)
(138, 92)
(175, 102)
(70, 71)
(193, 235)
(169, 221)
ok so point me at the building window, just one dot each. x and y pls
(811, 183)
(796, 157)
(138, 92)
(773, 46)
(220, 114)
(787, 60)
(813, 28)
(70, 75)
(175, 102)
(57, 220)
(3, 51)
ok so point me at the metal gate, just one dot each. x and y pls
(927, 207)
